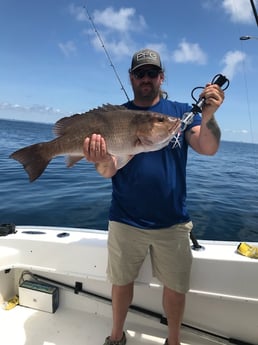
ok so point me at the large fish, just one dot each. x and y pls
(126, 132)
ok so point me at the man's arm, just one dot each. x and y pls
(205, 139)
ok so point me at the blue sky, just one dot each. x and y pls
(53, 65)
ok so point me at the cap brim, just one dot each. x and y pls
(145, 64)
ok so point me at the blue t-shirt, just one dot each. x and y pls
(149, 192)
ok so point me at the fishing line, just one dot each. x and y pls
(247, 90)
(247, 99)
(250, 118)
(244, 71)
(106, 51)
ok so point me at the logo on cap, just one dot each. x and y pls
(146, 55)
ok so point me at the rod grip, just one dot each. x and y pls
(220, 80)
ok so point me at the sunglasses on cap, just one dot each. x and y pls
(151, 73)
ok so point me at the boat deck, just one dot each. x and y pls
(73, 326)
(220, 301)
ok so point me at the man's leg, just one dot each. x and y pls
(173, 304)
(121, 299)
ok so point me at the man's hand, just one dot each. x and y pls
(95, 151)
(214, 97)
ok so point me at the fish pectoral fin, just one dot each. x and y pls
(143, 141)
(123, 160)
(71, 160)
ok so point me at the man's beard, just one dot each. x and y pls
(146, 95)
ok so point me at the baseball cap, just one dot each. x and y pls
(145, 57)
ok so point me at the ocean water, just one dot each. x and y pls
(222, 189)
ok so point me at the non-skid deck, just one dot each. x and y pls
(25, 326)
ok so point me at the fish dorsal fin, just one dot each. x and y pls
(63, 125)
(110, 107)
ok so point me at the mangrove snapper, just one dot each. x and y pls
(126, 132)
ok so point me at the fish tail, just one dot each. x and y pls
(34, 158)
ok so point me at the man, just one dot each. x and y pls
(148, 210)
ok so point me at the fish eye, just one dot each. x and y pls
(161, 119)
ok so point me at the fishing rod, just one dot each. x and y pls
(219, 80)
(247, 37)
(188, 117)
(106, 51)
(254, 11)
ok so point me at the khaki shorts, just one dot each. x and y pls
(169, 249)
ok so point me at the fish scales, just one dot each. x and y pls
(126, 132)
(116, 124)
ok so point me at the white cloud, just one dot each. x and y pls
(117, 46)
(240, 11)
(78, 12)
(114, 29)
(236, 131)
(232, 61)
(123, 20)
(242, 135)
(35, 108)
(34, 113)
(162, 49)
(189, 52)
(67, 48)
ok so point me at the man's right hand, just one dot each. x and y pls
(95, 151)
